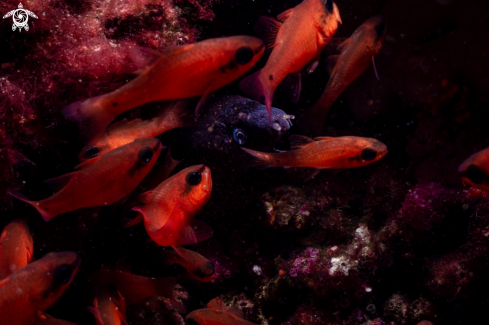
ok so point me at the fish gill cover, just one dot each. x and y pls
(400, 241)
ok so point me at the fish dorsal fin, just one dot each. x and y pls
(299, 141)
(236, 311)
(4, 281)
(267, 29)
(146, 57)
(331, 63)
(86, 163)
(57, 183)
(323, 138)
(342, 47)
(286, 14)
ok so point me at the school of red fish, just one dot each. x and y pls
(118, 157)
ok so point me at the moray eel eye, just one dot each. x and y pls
(474, 174)
(91, 152)
(239, 135)
(63, 274)
(194, 178)
(145, 154)
(369, 154)
(329, 5)
(244, 55)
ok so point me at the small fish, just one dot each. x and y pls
(46, 319)
(134, 288)
(356, 55)
(170, 208)
(475, 170)
(109, 307)
(296, 39)
(178, 72)
(199, 268)
(124, 132)
(217, 313)
(28, 292)
(16, 247)
(323, 153)
(101, 180)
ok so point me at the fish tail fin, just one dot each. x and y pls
(90, 116)
(254, 87)
(45, 215)
(260, 160)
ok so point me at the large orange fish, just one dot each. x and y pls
(46, 319)
(109, 307)
(124, 132)
(323, 153)
(28, 292)
(296, 39)
(475, 170)
(101, 180)
(199, 268)
(134, 288)
(178, 72)
(170, 208)
(16, 247)
(217, 313)
(356, 55)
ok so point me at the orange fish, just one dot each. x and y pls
(46, 319)
(16, 247)
(475, 170)
(155, 177)
(102, 180)
(109, 307)
(135, 288)
(356, 55)
(124, 132)
(25, 294)
(323, 153)
(296, 39)
(217, 313)
(178, 72)
(199, 268)
(170, 208)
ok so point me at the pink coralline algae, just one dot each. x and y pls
(302, 265)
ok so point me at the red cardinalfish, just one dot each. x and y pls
(135, 288)
(170, 208)
(124, 132)
(46, 319)
(323, 153)
(156, 176)
(25, 294)
(199, 268)
(178, 72)
(475, 170)
(109, 307)
(16, 247)
(296, 39)
(356, 55)
(102, 180)
(217, 313)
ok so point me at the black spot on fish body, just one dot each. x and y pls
(474, 174)
(271, 77)
(114, 104)
(232, 65)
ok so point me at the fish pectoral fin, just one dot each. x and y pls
(299, 141)
(331, 63)
(57, 183)
(309, 174)
(267, 29)
(86, 163)
(286, 14)
(195, 232)
(343, 45)
(4, 281)
(375, 68)
(203, 100)
(292, 84)
(236, 311)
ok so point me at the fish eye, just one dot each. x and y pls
(63, 274)
(474, 174)
(194, 178)
(380, 29)
(191, 321)
(368, 154)
(145, 154)
(244, 55)
(239, 135)
(91, 152)
(112, 288)
(329, 5)
(207, 271)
